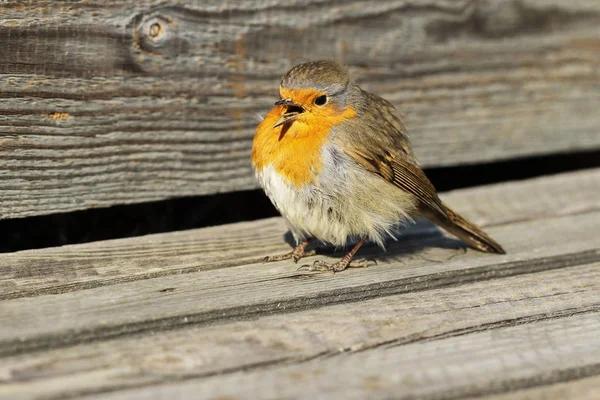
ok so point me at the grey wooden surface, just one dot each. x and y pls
(112, 102)
(195, 314)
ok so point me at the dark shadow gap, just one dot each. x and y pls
(201, 211)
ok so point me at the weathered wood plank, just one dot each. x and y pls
(71, 268)
(269, 344)
(491, 361)
(248, 291)
(106, 102)
(580, 389)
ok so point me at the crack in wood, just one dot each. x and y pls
(182, 378)
(419, 337)
(512, 385)
(73, 287)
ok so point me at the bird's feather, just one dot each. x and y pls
(378, 141)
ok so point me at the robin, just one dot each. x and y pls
(336, 162)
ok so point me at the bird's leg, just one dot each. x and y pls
(341, 265)
(296, 254)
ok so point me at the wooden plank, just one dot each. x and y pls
(206, 355)
(72, 268)
(248, 291)
(110, 102)
(581, 389)
(459, 367)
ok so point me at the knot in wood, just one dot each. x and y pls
(158, 34)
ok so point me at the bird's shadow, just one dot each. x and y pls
(410, 241)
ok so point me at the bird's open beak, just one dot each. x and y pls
(292, 112)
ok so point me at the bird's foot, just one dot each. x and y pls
(345, 262)
(296, 254)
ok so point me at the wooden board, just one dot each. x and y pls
(429, 321)
(112, 102)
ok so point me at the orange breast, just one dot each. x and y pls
(295, 151)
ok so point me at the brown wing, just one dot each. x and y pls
(401, 172)
(385, 124)
(378, 141)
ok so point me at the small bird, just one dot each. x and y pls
(336, 162)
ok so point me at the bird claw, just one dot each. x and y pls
(319, 266)
(295, 255)
(323, 266)
(279, 257)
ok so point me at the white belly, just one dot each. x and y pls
(305, 209)
(346, 203)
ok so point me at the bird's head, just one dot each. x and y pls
(313, 94)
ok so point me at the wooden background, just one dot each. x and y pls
(111, 102)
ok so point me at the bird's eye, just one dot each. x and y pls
(321, 100)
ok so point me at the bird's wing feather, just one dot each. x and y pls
(400, 172)
(384, 123)
(380, 144)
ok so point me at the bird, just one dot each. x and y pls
(337, 163)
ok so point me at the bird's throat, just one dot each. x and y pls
(295, 148)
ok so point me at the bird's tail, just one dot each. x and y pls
(465, 230)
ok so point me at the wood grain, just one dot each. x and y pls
(263, 347)
(111, 102)
(474, 365)
(79, 267)
(581, 389)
